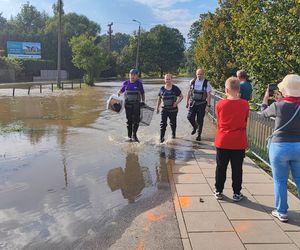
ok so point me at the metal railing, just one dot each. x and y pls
(30, 85)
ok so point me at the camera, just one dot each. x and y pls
(271, 89)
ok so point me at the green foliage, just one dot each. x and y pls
(87, 56)
(260, 36)
(32, 67)
(164, 50)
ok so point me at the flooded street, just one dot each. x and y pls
(68, 179)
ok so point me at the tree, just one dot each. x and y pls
(87, 56)
(30, 22)
(72, 25)
(164, 50)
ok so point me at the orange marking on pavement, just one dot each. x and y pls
(152, 217)
(187, 177)
(242, 227)
(140, 245)
(184, 202)
(147, 227)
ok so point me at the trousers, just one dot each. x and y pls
(197, 113)
(284, 156)
(236, 158)
(172, 115)
(133, 112)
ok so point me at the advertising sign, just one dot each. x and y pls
(24, 50)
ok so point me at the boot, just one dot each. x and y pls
(195, 126)
(129, 132)
(135, 128)
(162, 135)
(173, 134)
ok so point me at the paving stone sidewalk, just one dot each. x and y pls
(206, 223)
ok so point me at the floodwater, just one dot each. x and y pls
(68, 179)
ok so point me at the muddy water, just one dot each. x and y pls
(68, 179)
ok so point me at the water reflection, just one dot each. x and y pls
(130, 180)
(71, 182)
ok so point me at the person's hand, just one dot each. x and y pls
(207, 109)
(119, 94)
(175, 104)
(157, 111)
(142, 104)
(187, 105)
(267, 93)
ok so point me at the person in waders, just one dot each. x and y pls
(170, 95)
(134, 97)
(198, 101)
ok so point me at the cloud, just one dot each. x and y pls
(160, 4)
(168, 13)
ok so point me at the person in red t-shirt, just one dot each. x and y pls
(231, 138)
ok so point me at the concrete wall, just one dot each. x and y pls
(7, 75)
(48, 75)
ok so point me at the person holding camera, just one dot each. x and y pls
(134, 93)
(285, 140)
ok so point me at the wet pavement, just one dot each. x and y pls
(68, 179)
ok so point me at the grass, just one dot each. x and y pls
(55, 117)
(12, 128)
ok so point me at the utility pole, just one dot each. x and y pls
(109, 32)
(59, 45)
(138, 45)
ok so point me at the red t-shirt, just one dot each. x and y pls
(232, 118)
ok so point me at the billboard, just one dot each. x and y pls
(24, 50)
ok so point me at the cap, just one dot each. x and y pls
(133, 71)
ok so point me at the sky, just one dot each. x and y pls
(178, 14)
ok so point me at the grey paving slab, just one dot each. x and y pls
(199, 203)
(228, 193)
(193, 189)
(203, 165)
(253, 231)
(209, 172)
(295, 236)
(268, 202)
(189, 178)
(211, 182)
(205, 160)
(293, 223)
(205, 156)
(186, 244)
(260, 188)
(250, 168)
(188, 169)
(207, 222)
(215, 241)
(245, 209)
(271, 246)
(208, 151)
(257, 178)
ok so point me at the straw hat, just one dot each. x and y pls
(290, 86)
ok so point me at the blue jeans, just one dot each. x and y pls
(284, 155)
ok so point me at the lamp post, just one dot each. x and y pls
(138, 44)
(59, 44)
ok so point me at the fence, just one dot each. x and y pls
(29, 85)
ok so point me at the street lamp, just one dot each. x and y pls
(138, 44)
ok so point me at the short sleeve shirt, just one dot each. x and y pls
(137, 85)
(199, 84)
(173, 91)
